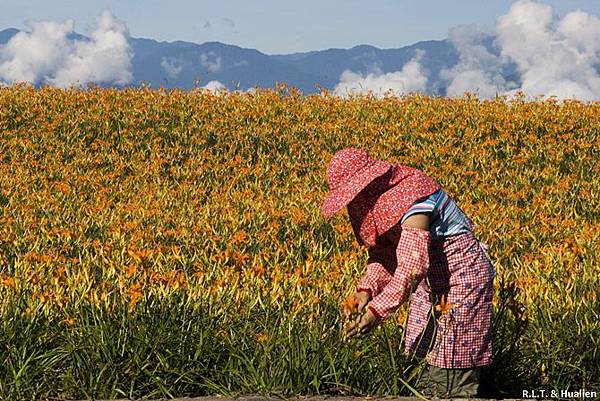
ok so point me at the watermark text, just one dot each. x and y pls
(560, 394)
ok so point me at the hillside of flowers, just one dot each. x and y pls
(160, 243)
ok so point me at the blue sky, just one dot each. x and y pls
(280, 27)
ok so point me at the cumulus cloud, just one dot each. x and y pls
(478, 70)
(554, 57)
(171, 66)
(242, 63)
(410, 79)
(46, 55)
(215, 87)
(174, 65)
(210, 61)
(219, 88)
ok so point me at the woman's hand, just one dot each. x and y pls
(364, 326)
(355, 303)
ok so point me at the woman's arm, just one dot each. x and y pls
(380, 270)
(412, 254)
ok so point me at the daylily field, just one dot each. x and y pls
(160, 243)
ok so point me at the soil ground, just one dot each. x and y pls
(321, 398)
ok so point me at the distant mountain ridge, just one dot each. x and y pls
(186, 65)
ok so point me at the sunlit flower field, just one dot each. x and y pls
(162, 243)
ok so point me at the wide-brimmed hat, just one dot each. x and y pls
(348, 173)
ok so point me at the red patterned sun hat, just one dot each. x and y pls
(348, 173)
(372, 215)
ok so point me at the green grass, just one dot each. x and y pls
(174, 348)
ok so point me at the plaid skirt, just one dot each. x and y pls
(459, 337)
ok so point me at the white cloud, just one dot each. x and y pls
(219, 88)
(29, 56)
(478, 70)
(171, 66)
(242, 63)
(210, 61)
(410, 79)
(215, 87)
(46, 55)
(554, 57)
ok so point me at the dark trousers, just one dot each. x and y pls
(449, 383)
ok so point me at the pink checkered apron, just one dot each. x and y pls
(461, 338)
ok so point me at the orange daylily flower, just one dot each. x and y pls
(443, 307)
(351, 303)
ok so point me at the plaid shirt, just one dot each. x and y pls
(410, 260)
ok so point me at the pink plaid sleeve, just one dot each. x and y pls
(413, 263)
(380, 270)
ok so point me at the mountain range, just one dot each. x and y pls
(186, 65)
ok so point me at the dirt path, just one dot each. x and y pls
(320, 398)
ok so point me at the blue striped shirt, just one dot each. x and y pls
(446, 218)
